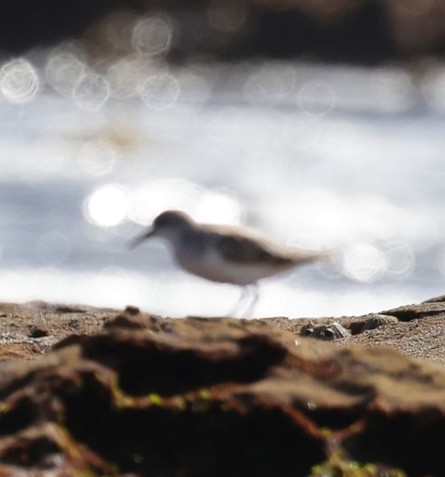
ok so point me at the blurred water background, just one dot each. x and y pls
(319, 156)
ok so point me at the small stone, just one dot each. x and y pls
(132, 310)
(328, 332)
(37, 332)
(377, 319)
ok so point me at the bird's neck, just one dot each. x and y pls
(178, 238)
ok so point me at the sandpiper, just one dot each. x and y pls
(224, 253)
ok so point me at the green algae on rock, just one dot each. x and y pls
(150, 396)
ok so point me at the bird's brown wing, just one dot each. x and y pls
(241, 249)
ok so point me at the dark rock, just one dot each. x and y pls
(132, 310)
(371, 322)
(326, 332)
(413, 312)
(199, 397)
(363, 32)
(38, 332)
(437, 299)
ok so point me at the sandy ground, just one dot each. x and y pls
(30, 330)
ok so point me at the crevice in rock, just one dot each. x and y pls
(30, 452)
(19, 415)
(412, 442)
(150, 367)
(206, 439)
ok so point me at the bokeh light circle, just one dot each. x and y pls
(123, 77)
(364, 262)
(316, 98)
(107, 206)
(97, 157)
(91, 91)
(400, 260)
(19, 81)
(152, 198)
(160, 91)
(269, 84)
(218, 207)
(152, 36)
(63, 71)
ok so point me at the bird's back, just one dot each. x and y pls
(230, 255)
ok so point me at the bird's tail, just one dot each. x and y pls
(310, 257)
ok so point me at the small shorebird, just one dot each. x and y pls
(224, 253)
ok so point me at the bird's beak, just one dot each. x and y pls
(136, 241)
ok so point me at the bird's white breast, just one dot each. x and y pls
(212, 266)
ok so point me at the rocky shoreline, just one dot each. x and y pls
(97, 392)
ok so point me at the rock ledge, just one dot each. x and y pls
(134, 394)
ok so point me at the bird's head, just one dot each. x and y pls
(168, 225)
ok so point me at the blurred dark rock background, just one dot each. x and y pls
(358, 31)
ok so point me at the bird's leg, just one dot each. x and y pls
(238, 305)
(255, 293)
(248, 291)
